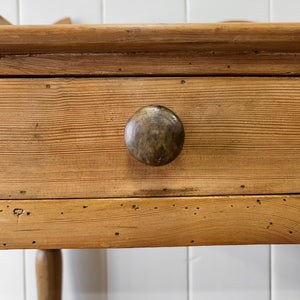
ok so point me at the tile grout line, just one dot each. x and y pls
(188, 272)
(186, 13)
(270, 272)
(102, 4)
(18, 12)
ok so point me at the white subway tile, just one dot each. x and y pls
(285, 272)
(137, 11)
(9, 11)
(48, 12)
(12, 275)
(210, 11)
(148, 274)
(229, 273)
(285, 10)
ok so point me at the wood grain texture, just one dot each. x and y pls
(177, 49)
(49, 274)
(150, 222)
(63, 137)
(113, 38)
(151, 63)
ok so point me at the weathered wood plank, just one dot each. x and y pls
(149, 222)
(177, 49)
(63, 137)
(151, 63)
(113, 38)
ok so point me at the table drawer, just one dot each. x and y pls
(64, 137)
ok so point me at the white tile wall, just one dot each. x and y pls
(207, 11)
(139, 11)
(12, 275)
(48, 12)
(285, 11)
(229, 273)
(148, 274)
(242, 272)
(9, 10)
(286, 272)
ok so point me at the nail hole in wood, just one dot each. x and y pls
(18, 211)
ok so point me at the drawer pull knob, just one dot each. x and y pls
(154, 135)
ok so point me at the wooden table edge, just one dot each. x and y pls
(149, 222)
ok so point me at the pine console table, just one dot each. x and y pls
(67, 179)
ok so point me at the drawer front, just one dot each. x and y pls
(64, 137)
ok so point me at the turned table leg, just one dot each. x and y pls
(49, 274)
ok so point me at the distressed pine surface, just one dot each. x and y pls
(155, 37)
(149, 222)
(63, 137)
(152, 63)
(177, 49)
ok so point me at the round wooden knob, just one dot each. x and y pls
(154, 135)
